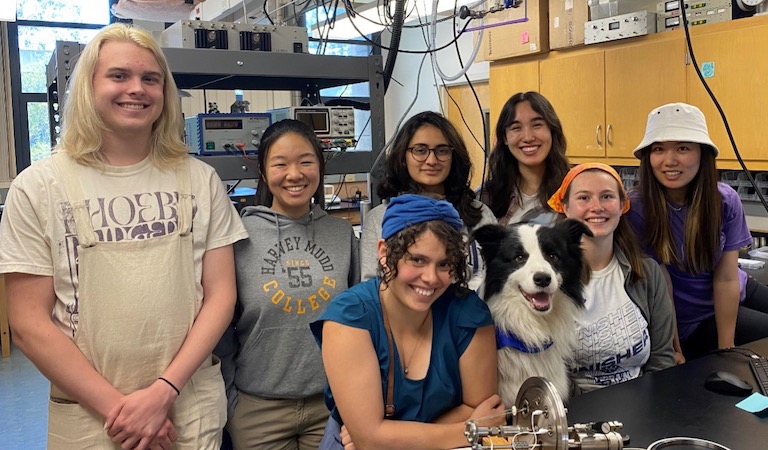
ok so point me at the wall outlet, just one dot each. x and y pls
(349, 178)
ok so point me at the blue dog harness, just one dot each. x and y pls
(509, 339)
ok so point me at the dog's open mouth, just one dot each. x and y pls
(541, 301)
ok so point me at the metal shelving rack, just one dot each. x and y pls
(231, 69)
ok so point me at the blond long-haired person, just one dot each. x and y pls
(117, 252)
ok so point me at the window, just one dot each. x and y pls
(32, 39)
(358, 91)
(73, 11)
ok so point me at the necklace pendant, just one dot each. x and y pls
(405, 369)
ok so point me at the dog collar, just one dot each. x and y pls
(508, 339)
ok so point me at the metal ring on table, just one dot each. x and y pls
(674, 441)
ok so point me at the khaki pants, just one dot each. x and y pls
(278, 424)
(202, 404)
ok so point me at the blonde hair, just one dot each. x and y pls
(82, 127)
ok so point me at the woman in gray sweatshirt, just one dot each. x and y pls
(297, 259)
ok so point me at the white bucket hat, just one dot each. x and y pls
(678, 122)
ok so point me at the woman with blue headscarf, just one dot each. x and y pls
(414, 337)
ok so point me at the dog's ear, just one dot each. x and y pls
(573, 229)
(489, 237)
(574, 286)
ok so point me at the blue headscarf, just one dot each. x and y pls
(409, 209)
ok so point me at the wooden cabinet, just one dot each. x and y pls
(639, 78)
(574, 85)
(462, 109)
(603, 97)
(604, 92)
(507, 78)
(739, 80)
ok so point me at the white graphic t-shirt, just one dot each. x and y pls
(38, 236)
(614, 342)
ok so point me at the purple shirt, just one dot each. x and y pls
(693, 293)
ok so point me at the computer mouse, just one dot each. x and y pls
(727, 383)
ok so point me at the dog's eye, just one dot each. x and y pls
(520, 258)
(554, 257)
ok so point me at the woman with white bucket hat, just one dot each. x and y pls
(694, 226)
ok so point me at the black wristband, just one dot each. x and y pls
(171, 385)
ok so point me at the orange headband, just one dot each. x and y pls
(556, 201)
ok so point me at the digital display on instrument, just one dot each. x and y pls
(672, 22)
(613, 25)
(318, 120)
(223, 124)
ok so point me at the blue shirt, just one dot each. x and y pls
(454, 321)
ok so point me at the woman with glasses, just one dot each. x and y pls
(428, 156)
(528, 161)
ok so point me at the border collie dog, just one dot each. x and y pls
(534, 288)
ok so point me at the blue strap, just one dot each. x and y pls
(509, 339)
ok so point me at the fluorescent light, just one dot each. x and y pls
(8, 11)
(343, 29)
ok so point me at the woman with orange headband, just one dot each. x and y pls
(627, 326)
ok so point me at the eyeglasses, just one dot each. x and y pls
(421, 152)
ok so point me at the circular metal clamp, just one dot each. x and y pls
(540, 409)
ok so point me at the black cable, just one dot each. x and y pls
(264, 7)
(383, 24)
(479, 106)
(741, 351)
(719, 108)
(474, 92)
(394, 41)
(415, 52)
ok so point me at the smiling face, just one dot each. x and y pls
(594, 198)
(292, 173)
(128, 89)
(424, 273)
(431, 173)
(528, 137)
(675, 165)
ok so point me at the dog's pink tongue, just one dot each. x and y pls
(541, 301)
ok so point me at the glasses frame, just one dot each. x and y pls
(433, 151)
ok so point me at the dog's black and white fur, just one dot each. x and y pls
(534, 287)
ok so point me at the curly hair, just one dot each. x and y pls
(395, 179)
(455, 250)
(504, 179)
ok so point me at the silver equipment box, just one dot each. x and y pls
(697, 12)
(639, 23)
(327, 121)
(223, 134)
(333, 125)
(235, 36)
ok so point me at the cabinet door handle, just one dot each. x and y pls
(597, 135)
(608, 134)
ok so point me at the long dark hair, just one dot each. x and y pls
(271, 135)
(395, 179)
(702, 222)
(504, 179)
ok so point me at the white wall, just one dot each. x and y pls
(399, 97)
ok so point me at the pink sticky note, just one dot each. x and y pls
(524, 37)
